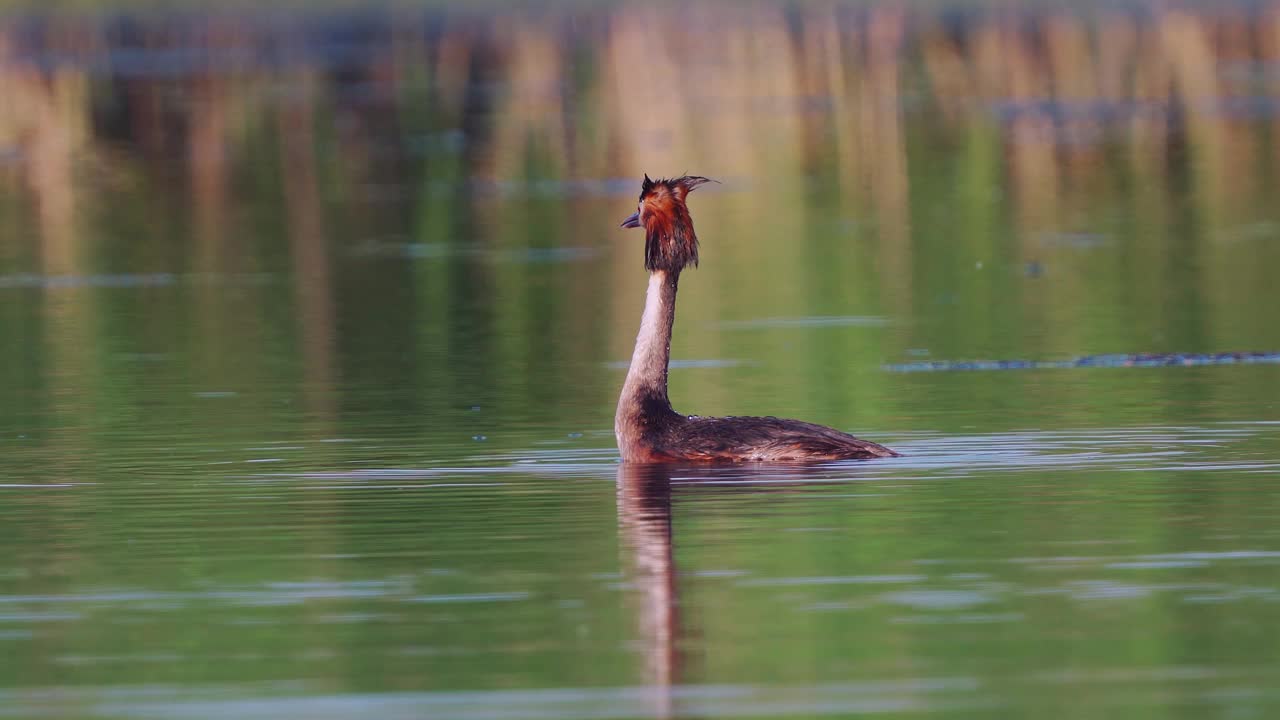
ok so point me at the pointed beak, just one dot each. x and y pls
(633, 221)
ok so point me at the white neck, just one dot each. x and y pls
(647, 375)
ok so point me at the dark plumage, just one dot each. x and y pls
(770, 439)
(647, 428)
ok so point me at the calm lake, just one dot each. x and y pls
(313, 325)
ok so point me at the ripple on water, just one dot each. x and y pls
(691, 364)
(938, 599)
(850, 580)
(130, 280)
(959, 619)
(927, 457)
(219, 703)
(400, 248)
(813, 321)
(1134, 449)
(1155, 564)
(404, 590)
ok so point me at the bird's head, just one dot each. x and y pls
(670, 243)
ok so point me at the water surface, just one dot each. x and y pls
(314, 330)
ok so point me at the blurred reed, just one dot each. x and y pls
(372, 124)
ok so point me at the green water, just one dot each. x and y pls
(312, 336)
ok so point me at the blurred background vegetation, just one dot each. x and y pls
(412, 210)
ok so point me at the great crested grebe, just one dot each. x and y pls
(648, 430)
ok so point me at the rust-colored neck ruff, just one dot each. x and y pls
(643, 407)
(670, 242)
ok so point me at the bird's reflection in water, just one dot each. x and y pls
(644, 526)
(645, 502)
